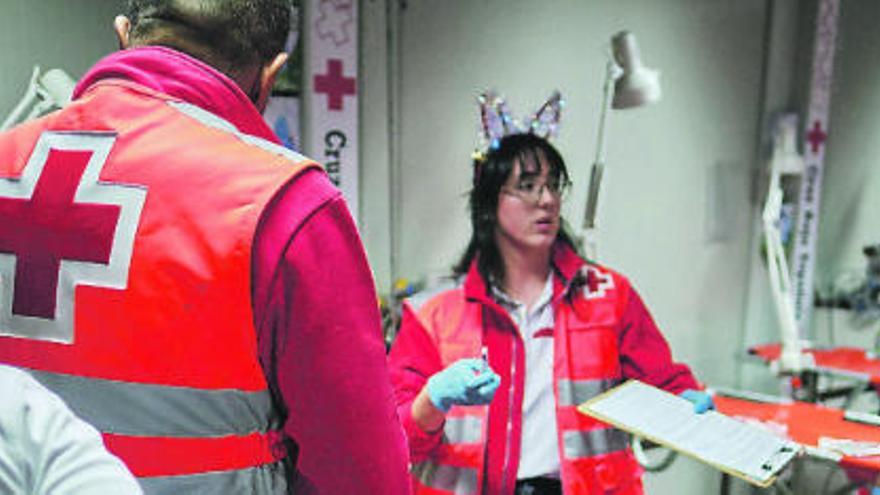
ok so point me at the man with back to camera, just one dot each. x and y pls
(194, 290)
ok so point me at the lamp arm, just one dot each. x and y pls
(598, 166)
(45, 92)
(612, 72)
(30, 96)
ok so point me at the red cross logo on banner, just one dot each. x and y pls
(61, 227)
(816, 136)
(334, 84)
(336, 22)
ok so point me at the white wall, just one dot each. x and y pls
(51, 33)
(374, 220)
(675, 214)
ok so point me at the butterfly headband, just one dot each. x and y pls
(497, 121)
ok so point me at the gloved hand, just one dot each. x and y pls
(875, 490)
(466, 382)
(701, 400)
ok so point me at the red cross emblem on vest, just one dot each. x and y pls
(60, 227)
(597, 283)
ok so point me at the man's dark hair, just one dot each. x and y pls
(230, 35)
(490, 174)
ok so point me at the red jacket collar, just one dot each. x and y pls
(183, 78)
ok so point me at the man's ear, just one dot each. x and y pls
(122, 26)
(267, 77)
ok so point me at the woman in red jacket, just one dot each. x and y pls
(489, 369)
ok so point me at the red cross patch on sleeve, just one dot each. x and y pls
(597, 283)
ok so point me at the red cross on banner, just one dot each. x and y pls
(816, 136)
(60, 227)
(331, 105)
(334, 84)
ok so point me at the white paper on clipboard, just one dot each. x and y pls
(730, 445)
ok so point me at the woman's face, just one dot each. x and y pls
(528, 208)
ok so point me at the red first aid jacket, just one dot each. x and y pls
(126, 224)
(602, 335)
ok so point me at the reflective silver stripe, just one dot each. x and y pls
(211, 120)
(139, 409)
(465, 429)
(576, 392)
(579, 444)
(263, 480)
(460, 481)
(417, 300)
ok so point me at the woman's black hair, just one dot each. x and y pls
(491, 171)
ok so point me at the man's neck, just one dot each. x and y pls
(184, 78)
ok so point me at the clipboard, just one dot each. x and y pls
(740, 449)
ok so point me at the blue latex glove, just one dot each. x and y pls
(701, 400)
(875, 490)
(466, 382)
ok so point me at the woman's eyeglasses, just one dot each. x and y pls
(531, 191)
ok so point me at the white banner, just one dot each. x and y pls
(815, 135)
(331, 102)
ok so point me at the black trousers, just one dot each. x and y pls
(538, 486)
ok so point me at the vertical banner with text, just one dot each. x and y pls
(332, 105)
(815, 134)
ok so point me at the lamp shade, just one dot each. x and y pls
(637, 85)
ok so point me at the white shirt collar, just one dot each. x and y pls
(509, 302)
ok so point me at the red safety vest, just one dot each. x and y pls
(457, 465)
(595, 458)
(126, 228)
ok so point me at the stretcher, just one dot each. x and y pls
(805, 423)
(859, 369)
(843, 361)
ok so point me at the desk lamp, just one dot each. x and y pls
(628, 84)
